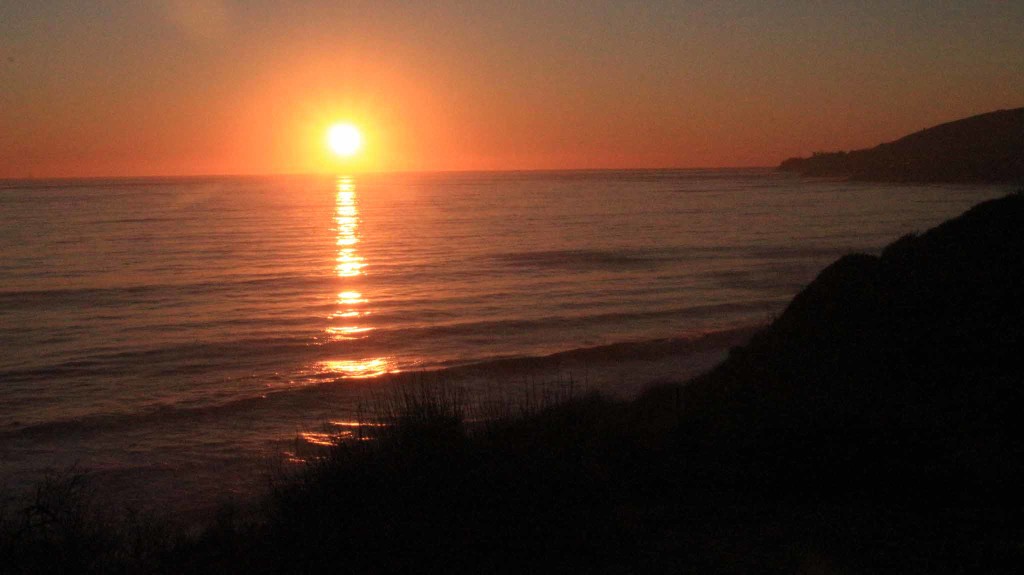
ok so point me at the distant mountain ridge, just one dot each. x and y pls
(983, 148)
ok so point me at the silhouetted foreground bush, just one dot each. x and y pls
(874, 427)
(63, 528)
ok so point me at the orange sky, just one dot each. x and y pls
(225, 87)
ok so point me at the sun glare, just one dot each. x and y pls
(344, 139)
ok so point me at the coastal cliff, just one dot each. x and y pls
(895, 374)
(983, 148)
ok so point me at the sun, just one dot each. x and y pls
(344, 139)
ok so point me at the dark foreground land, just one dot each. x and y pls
(876, 426)
(983, 148)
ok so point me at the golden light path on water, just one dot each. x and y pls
(350, 263)
(352, 305)
(337, 429)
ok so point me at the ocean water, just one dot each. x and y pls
(170, 335)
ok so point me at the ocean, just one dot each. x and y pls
(173, 336)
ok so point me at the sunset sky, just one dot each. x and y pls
(230, 87)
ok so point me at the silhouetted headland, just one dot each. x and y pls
(875, 426)
(899, 374)
(983, 148)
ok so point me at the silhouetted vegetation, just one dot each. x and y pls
(875, 426)
(983, 148)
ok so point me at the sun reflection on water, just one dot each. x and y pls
(359, 369)
(346, 218)
(319, 438)
(346, 331)
(349, 265)
(350, 298)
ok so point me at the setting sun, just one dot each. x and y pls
(344, 139)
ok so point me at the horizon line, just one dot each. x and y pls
(372, 173)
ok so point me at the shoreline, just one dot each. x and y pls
(620, 370)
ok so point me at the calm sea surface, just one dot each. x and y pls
(177, 330)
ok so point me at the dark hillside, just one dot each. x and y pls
(900, 374)
(983, 148)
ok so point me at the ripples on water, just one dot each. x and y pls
(172, 323)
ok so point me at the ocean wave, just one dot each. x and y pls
(561, 322)
(132, 294)
(270, 400)
(183, 356)
(641, 350)
(384, 334)
(582, 258)
(650, 258)
(105, 422)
